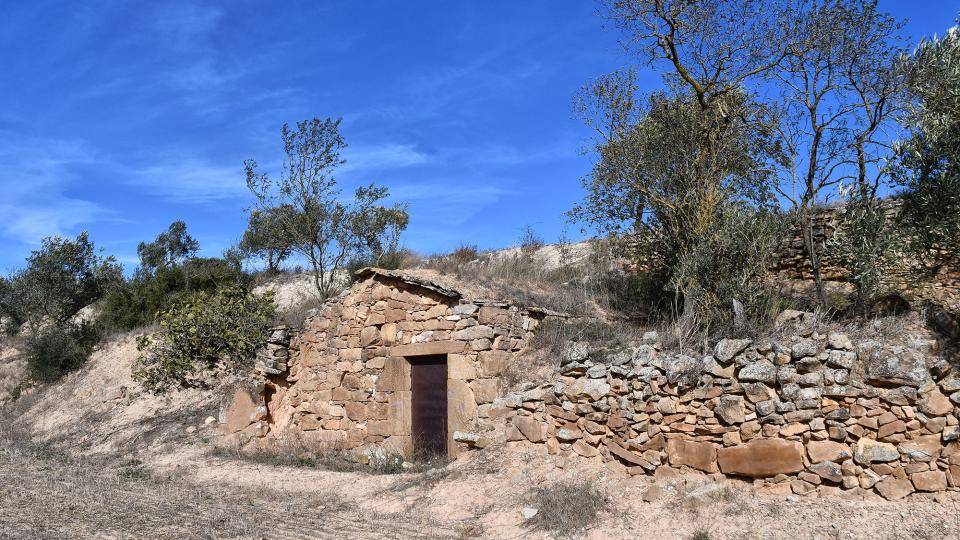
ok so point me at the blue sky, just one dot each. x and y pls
(119, 117)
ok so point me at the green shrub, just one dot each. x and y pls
(206, 331)
(62, 277)
(211, 273)
(137, 302)
(55, 351)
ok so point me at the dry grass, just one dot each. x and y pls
(45, 493)
(292, 451)
(297, 450)
(567, 507)
(294, 315)
(528, 279)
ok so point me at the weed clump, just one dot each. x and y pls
(568, 507)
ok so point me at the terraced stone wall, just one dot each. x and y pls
(793, 271)
(815, 412)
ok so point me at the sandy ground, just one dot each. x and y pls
(44, 496)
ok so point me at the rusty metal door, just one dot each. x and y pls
(428, 410)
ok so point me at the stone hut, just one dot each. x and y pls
(396, 362)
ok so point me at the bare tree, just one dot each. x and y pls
(837, 91)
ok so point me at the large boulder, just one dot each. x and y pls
(574, 352)
(869, 451)
(896, 367)
(727, 349)
(762, 458)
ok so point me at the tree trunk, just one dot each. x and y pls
(810, 245)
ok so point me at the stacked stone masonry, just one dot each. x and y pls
(817, 412)
(346, 377)
(940, 285)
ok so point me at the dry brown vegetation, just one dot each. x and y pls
(48, 494)
(568, 507)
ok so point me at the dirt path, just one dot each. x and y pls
(52, 497)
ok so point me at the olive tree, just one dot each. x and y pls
(318, 225)
(265, 236)
(676, 167)
(810, 83)
(927, 165)
(170, 248)
(61, 277)
(838, 89)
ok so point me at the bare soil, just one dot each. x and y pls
(47, 494)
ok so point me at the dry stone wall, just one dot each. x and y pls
(815, 412)
(793, 270)
(345, 378)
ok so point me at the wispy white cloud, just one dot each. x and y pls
(187, 179)
(35, 175)
(384, 156)
(448, 203)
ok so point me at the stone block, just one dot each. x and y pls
(493, 363)
(762, 458)
(494, 316)
(485, 390)
(896, 367)
(370, 336)
(461, 406)
(696, 455)
(929, 481)
(893, 488)
(398, 413)
(428, 348)
(530, 428)
(827, 451)
(461, 367)
(727, 349)
(474, 332)
(935, 404)
(869, 451)
(395, 375)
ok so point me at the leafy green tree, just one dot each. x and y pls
(306, 202)
(169, 271)
(170, 248)
(927, 164)
(867, 245)
(668, 189)
(62, 277)
(265, 236)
